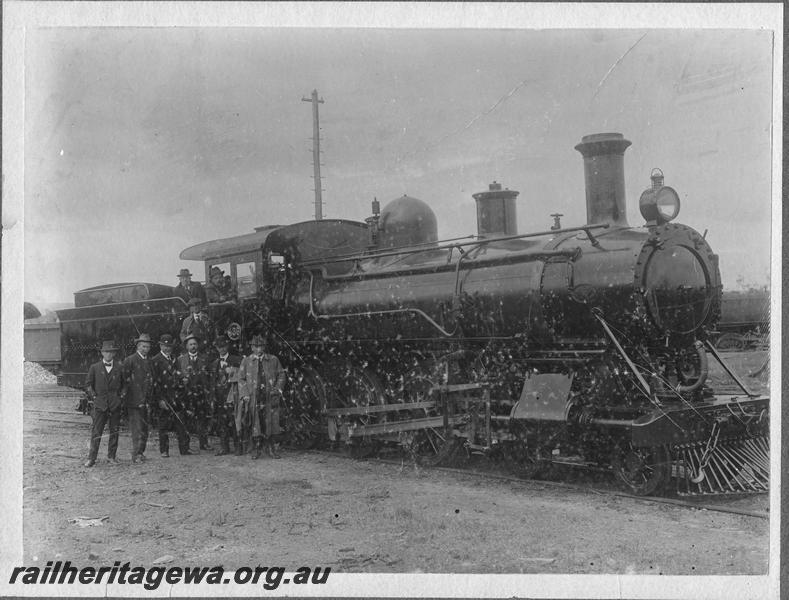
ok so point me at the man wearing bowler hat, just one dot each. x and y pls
(197, 324)
(260, 382)
(188, 289)
(138, 389)
(103, 384)
(170, 414)
(195, 389)
(224, 385)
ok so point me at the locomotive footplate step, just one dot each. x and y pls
(397, 426)
(377, 408)
(458, 387)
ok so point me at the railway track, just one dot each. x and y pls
(62, 417)
(569, 486)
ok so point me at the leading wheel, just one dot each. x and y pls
(431, 448)
(641, 471)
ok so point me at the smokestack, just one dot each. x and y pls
(496, 213)
(605, 177)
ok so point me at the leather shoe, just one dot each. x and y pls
(89, 463)
(186, 453)
(113, 461)
(165, 455)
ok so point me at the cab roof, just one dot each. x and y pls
(223, 247)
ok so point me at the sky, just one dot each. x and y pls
(142, 141)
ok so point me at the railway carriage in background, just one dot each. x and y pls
(586, 345)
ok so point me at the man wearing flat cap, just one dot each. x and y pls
(224, 385)
(261, 379)
(170, 414)
(138, 389)
(103, 384)
(188, 289)
(195, 389)
(197, 324)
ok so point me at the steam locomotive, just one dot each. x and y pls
(585, 345)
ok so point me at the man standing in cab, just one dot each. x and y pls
(218, 288)
(188, 289)
(195, 389)
(261, 379)
(138, 389)
(165, 402)
(224, 384)
(103, 385)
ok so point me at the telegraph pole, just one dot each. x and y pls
(316, 153)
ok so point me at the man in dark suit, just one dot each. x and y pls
(188, 289)
(195, 389)
(223, 372)
(165, 402)
(219, 288)
(103, 384)
(197, 324)
(138, 387)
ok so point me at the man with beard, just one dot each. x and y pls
(195, 389)
(165, 401)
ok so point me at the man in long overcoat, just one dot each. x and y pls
(261, 379)
(195, 389)
(169, 412)
(224, 377)
(103, 384)
(138, 389)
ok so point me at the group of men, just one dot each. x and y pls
(186, 394)
(218, 289)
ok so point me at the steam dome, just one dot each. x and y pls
(407, 221)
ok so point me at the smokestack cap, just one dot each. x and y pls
(602, 143)
(495, 191)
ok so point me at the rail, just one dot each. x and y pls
(431, 248)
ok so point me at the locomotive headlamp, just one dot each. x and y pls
(660, 203)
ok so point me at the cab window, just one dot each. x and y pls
(246, 280)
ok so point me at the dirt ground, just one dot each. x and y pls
(313, 508)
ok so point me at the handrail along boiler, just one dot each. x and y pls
(585, 344)
(589, 342)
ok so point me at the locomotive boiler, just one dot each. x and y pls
(584, 344)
